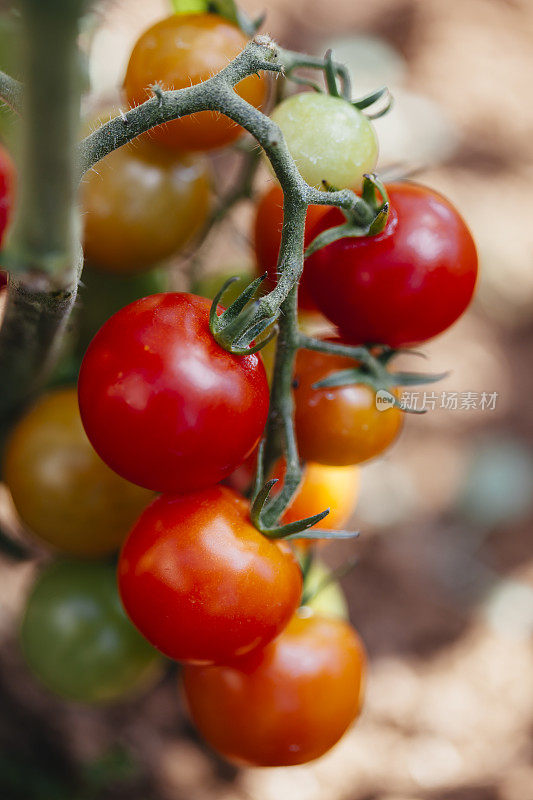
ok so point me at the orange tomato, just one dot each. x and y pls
(341, 425)
(182, 50)
(286, 704)
(322, 487)
(141, 205)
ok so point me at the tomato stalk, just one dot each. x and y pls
(43, 254)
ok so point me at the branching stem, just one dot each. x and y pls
(43, 248)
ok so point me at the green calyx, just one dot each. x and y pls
(238, 327)
(374, 372)
(370, 99)
(368, 217)
(292, 530)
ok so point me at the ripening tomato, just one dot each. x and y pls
(405, 285)
(331, 141)
(201, 583)
(182, 50)
(326, 597)
(342, 425)
(62, 490)
(7, 189)
(322, 487)
(287, 704)
(141, 206)
(267, 238)
(78, 641)
(162, 403)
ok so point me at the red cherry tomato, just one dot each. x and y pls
(182, 50)
(201, 583)
(7, 188)
(162, 403)
(267, 238)
(403, 286)
(286, 704)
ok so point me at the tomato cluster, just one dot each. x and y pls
(272, 675)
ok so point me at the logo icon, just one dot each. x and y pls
(384, 400)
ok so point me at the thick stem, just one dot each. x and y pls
(280, 435)
(45, 230)
(43, 252)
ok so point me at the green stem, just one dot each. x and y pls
(43, 254)
(293, 61)
(280, 434)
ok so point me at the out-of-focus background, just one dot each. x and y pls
(443, 592)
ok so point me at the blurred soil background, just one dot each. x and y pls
(443, 592)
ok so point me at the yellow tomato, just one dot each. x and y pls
(62, 490)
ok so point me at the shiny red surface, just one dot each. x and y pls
(201, 583)
(287, 704)
(7, 188)
(162, 403)
(403, 286)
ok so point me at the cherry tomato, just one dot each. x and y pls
(162, 403)
(287, 704)
(326, 596)
(338, 426)
(182, 50)
(267, 238)
(201, 583)
(405, 285)
(331, 141)
(62, 490)
(77, 639)
(7, 189)
(141, 206)
(322, 487)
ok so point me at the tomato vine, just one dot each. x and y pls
(43, 253)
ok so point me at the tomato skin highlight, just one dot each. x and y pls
(201, 583)
(141, 206)
(403, 286)
(162, 403)
(287, 704)
(182, 50)
(77, 639)
(61, 488)
(338, 426)
(267, 238)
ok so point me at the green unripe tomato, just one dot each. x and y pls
(77, 639)
(330, 600)
(329, 139)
